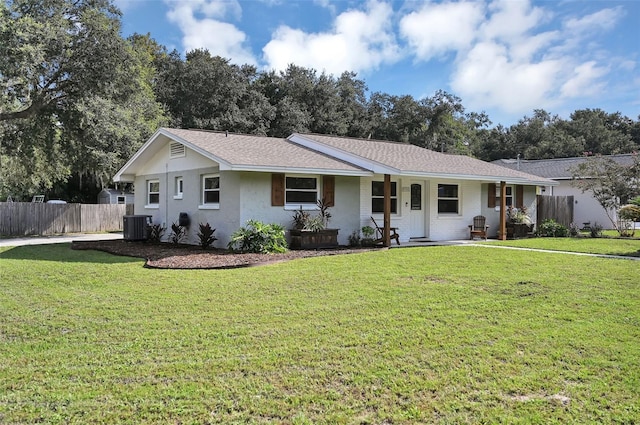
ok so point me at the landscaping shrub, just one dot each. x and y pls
(259, 237)
(205, 235)
(354, 238)
(596, 230)
(574, 230)
(155, 232)
(177, 233)
(552, 229)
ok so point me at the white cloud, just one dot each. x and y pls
(604, 19)
(359, 41)
(486, 77)
(518, 64)
(439, 28)
(583, 81)
(201, 24)
(510, 19)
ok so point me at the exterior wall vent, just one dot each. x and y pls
(177, 150)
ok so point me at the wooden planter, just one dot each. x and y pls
(308, 239)
(519, 230)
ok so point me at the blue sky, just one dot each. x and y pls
(504, 57)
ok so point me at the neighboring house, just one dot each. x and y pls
(586, 208)
(226, 179)
(115, 196)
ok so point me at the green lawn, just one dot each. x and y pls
(608, 246)
(439, 335)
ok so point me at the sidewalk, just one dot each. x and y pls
(549, 251)
(66, 238)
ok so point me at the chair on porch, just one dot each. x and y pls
(478, 228)
(380, 233)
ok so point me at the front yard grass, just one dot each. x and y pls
(606, 246)
(435, 335)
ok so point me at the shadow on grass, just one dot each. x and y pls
(62, 252)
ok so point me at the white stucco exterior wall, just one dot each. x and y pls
(585, 206)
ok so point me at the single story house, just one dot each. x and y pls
(226, 179)
(115, 196)
(586, 208)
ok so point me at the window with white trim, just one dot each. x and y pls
(508, 198)
(153, 192)
(121, 199)
(211, 190)
(377, 197)
(178, 188)
(301, 191)
(448, 199)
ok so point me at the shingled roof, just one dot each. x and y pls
(557, 168)
(407, 159)
(320, 154)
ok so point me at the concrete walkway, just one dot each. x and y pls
(467, 242)
(584, 254)
(66, 238)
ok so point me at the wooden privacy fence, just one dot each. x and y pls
(559, 208)
(26, 218)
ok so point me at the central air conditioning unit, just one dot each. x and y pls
(136, 227)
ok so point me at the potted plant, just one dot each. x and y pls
(367, 236)
(519, 223)
(310, 231)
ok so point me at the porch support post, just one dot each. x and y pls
(503, 211)
(387, 210)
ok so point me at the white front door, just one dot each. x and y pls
(418, 210)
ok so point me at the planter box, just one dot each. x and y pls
(308, 239)
(518, 230)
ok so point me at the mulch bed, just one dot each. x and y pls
(170, 256)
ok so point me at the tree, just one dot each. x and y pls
(55, 51)
(611, 183)
(208, 92)
(601, 132)
(79, 97)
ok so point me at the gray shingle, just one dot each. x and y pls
(260, 151)
(414, 159)
(557, 168)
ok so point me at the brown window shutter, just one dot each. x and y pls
(519, 196)
(491, 197)
(329, 190)
(277, 190)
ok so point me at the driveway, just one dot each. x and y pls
(43, 240)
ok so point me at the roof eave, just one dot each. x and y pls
(506, 179)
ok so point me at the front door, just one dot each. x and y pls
(417, 213)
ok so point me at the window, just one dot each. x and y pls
(153, 192)
(377, 197)
(508, 198)
(416, 197)
(301, 190)
(210, 190)
(178, 188)
(121, 199)
(448, 202)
